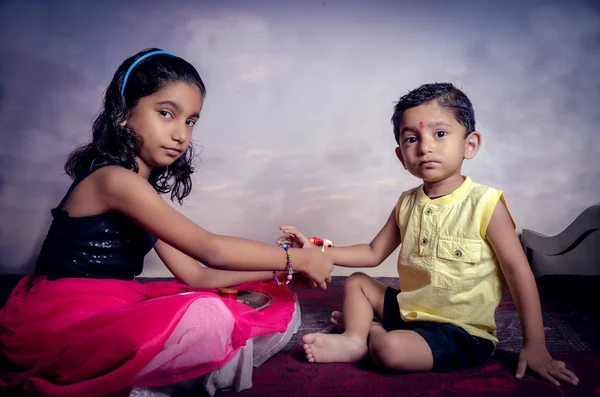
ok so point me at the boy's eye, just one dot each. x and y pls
(441, 133)
(166, 114)
(411, 139)
(191, 123)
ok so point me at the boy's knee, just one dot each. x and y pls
(356, 279)
(373, 345)
(382, 352)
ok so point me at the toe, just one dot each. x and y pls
(309, 338)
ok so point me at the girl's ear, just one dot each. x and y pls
(123, 123)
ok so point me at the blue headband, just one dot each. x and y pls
(140, 59)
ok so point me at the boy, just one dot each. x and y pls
(459, 248)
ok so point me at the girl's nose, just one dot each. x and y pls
(179, 134)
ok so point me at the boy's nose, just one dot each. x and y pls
(425, 146)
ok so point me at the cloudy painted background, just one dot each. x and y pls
(296, 126)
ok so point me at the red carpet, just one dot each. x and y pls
(573, 336)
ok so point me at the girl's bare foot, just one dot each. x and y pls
(331, 348)
(337, 319)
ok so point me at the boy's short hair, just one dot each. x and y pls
(447, 96)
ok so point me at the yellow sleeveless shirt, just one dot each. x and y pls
(448, 270)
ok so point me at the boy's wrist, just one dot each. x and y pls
(535, 338)
(329, 253)
(534, 342)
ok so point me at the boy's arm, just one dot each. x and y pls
(504, 240)
(361, 255)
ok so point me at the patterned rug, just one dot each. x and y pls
(573, 336)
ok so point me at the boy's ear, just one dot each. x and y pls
(472, 145)
(400, 157)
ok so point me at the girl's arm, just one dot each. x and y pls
(360, 255)
(504, 240)
(190, 272)
(127, 192)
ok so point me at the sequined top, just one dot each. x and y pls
(107, 245)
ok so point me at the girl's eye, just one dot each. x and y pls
(411, 139)
(441, 134)
(166, 114)
(191, 123)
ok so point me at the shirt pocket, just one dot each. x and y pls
(455, 263)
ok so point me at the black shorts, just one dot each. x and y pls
(453, 348)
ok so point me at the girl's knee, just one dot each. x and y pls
(208, 317)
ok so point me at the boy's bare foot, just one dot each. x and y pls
(331, 348)
(337, 319)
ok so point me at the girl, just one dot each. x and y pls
(459, 249)
(81, 325)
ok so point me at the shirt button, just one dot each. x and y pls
(428, 211)
(458, 253)
(424, 241)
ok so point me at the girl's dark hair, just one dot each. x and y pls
(113, 144)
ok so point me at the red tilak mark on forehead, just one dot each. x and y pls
(421, 124)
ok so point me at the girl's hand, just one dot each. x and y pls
(300, 280)
(294, 238)
(319, 267)
(538, 359)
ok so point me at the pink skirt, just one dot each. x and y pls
(93, 337)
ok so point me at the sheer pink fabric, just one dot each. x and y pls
(88, 337)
